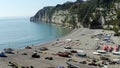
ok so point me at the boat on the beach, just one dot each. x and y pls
(68, 47)
(101, 51)
(2, 54)
(8, 50)
(63, 54)
(81, 54)
(43, 49)
(28, 47)
(35, 55)
(96, 53)
(116, 53)
(117, 61)
(107, 37)
(68, 40)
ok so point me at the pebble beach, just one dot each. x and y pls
(81, 39)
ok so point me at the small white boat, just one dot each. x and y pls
(79, 51)
(96, 53)
(116, 53)
(68, 40)
(116, 60)
(101, 51)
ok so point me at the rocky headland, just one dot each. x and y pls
(90, 14)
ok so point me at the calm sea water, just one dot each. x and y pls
(20, 32)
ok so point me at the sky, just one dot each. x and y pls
(25, 8)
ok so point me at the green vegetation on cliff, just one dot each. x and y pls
(84, 13)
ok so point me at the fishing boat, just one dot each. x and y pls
(2, 54)
(116, 53)
(101, 51)
(8, 50)
(63, 54)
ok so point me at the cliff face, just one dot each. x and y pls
(59, 14)
(75, 14)
(43, 15)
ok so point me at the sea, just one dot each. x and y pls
(17, 33)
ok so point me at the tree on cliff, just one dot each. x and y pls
(73, 21)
